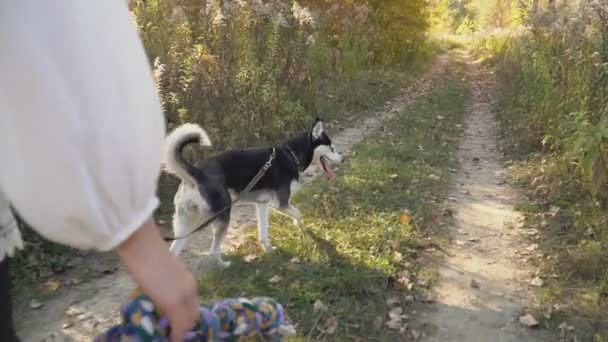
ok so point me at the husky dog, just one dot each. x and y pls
(207, 186)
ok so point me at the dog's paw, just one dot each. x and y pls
(224, 264)
(268, 247)
(298, 222)
(220, 261)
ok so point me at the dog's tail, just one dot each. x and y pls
(174, 162)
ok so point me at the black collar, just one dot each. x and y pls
(294, 158)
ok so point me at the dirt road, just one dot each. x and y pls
(483, 287)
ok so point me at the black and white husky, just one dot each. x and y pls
(207, 187)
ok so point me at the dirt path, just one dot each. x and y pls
(83, 310)
(482, 290)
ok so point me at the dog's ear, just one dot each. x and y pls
(317, 130)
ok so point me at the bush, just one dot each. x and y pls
(252, 71)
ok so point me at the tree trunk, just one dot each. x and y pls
(534, 7)
(552, 5)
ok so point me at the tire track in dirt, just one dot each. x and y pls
(483, 289)
(84, 310)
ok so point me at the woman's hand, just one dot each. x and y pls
(163, 277)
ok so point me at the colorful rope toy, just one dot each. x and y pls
(227, 320)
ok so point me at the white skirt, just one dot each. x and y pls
(10, 236)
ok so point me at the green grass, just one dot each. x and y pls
(573, 237)
(354, 249)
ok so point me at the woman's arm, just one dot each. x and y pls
(82, 129)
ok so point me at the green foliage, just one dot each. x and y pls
(258, 70)
(555, 81)
(454, 16)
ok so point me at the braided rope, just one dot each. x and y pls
(226, 320)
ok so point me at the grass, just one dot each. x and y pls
(355, 251)
(572, 237)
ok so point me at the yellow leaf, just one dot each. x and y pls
(405, 218)
(51, 285)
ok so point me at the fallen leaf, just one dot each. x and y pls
(394, 324)
(276, 279)
(392, 244)
(532, 247)
(405, 218)
(475, 284)
(394, 175)
(528, 320)
(330, 325)
(74, 281)
(397, 256)
(319, 306)
(249, 258)
(378, 323)
(296, 260)
(393, 301)
(34, 304)
(415, 335)
(395, 313)
(72, 311)
(75, 262)
(67, 325)
(51, 285)
(537, 281)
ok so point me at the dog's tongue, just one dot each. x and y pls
(327, 167)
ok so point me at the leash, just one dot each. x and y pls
(248, 188)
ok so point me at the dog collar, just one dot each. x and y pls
(294, 157)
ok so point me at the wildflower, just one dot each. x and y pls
(159, 70)
(260, 9)
(219, 19)
(279, 19)
(211, 5)
(302, 15)
(333, 9)
(178, 15)
(362, 12)
(311, 40)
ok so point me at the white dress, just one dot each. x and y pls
(81, 127)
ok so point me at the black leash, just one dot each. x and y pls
(248, 188)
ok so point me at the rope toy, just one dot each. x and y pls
(226, 320)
